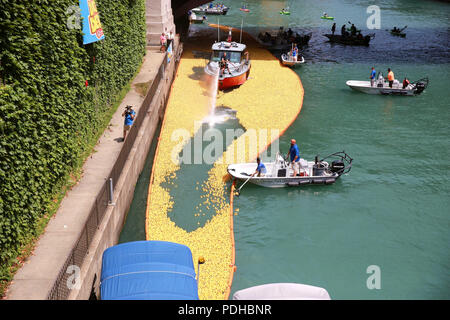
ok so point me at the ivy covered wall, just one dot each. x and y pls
(48, 117)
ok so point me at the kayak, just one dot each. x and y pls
(398, 34)
(327, 17)
(245, 10)
(285, 12)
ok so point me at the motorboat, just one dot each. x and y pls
(350, 40)
(287, 60)
(279, 173)
(211, 9)
(282, 291)
(381, 86)
(237, 61)
(193, 18)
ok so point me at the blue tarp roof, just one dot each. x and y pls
(148, 270)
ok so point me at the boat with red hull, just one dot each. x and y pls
(230, 61)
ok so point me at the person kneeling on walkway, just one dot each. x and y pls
(129, 115)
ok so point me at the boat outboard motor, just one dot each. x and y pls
(337, 166)
(420, 86)
(318, 168)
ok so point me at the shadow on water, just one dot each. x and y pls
(192, 209)
(134, 228)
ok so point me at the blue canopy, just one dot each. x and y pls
(148, 270)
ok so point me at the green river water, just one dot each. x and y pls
(392, 209)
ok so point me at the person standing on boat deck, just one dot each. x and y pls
(390, 77)
(295, 157)
(333, 28)
(260, 169)
(373, 74)
(295, 53)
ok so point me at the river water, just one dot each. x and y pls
(392, 209)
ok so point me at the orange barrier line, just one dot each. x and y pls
(227, 293)
(233, 250)
(156, 155)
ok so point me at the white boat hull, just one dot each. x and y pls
(279, 173)
(287, 61)
(382, 87)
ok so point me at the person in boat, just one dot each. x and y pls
(260, 169)
(405, 83)
(390, 77)
(294, 157)
(290, 32)
(211, 5)
(395, 29)
(373, 74)
(325, 14)
(343, 31)
(353, 30)
(294, 52)
(333, 28)
(223, 65)
(359, 36)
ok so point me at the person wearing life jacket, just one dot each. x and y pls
(405, 83)
(390, 77)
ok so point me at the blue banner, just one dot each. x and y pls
(92, 28)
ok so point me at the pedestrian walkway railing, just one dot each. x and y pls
(66, 281)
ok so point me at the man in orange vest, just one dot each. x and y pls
(390, 77)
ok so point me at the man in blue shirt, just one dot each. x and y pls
(372, 76)
(295, 157)
(129, 115)
(261, 169)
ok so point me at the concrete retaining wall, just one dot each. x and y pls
(109, 230)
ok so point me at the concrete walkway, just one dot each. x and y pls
(36, 277)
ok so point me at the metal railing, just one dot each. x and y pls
(61, 288)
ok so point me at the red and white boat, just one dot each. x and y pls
(237, 62)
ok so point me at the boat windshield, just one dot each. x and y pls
(233, 56)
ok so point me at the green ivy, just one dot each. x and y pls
(48, 117)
